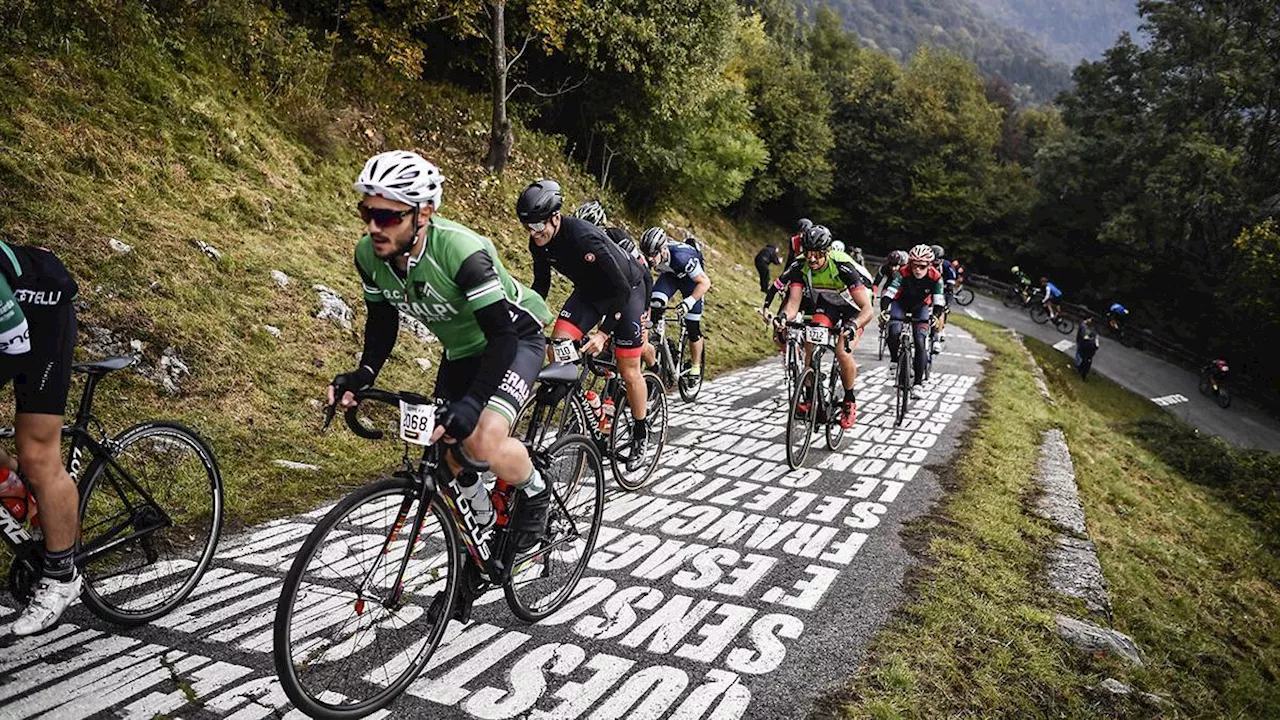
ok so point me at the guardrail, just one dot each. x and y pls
(1254, 389)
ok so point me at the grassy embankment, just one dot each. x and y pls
(1193, 579)
(164, 151)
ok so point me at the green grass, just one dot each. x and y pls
(1191, 578)
(164, 152)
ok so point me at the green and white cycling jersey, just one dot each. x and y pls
(15, 336)
(430, 293)
(837, 279)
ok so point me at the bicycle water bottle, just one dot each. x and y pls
(501, 499)
(593, 400)
(606, 415)
(478, 498)
(14, 495)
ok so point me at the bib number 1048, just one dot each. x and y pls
(417, 422)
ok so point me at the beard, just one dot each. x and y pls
(386, 249)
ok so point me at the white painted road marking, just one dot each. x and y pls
(1166, 400)
(972, 313)
(1065, 346)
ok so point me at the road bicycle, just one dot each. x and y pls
(1042, 313)
(674, 358)
(963, 296)
(884, 340)
(903, 378)
(1017, 296)
(561, 407)
(821, 390)
(1214, 387)
(369, 595)
(792, 354)
(1117, 330)
(150, 509)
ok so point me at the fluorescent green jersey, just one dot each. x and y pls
(440, 290)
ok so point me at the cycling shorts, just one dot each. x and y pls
(579, 315)
(455, 377)
(833, 313)
(42, 375)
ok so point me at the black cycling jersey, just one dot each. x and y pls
(628, 243)
(600, 271)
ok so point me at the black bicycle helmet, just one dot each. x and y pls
(938, 252)
(539, 201)
(817, 237)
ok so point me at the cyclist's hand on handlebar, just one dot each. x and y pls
(688, 303)
(884, 317)
(595, 343)
(342, 387)
(459, 420)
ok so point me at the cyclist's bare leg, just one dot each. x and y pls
(848, 368)
(39, 444)
(695, 351)
(637, 393)
(491, 442)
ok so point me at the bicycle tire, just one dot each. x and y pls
(1205, 385)
(964, 296)
(188, 493)
(1224, 397)
(1039, 314)
(884, 340)
(1012, 299)
(834, 431)
(423, 637)
(573, 488)
(689, 386)
(1064, 325)
(902, 398)
(797, 426)
(620, 434)
(565, 417)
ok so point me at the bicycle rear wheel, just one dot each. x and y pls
(150, 522)
(1064, 325)
(543, 579)
(1039, 314)
(349, 637)
(884, 339)
(834, 401)
(1013, 298)
(1224, 397)
(800, 425)
(902, 396)
(544, 419)
(621, 435)
(964, 296)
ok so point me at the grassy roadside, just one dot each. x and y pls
(172, 149)
(1191, 579)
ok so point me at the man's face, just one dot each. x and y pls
(541, 233)
(390, 224)
(919, 268)
(817, 259)
(661, 257)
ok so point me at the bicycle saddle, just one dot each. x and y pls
(102, 367)
(559, 373)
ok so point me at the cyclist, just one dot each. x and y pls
(959, 271)
(679, 267)
(840, 294)
(414, 261)
(793, 245)
(37, 336)
(948, 292)
(608, 290)
(593, 212)
(1052, 297)
(915, 292)
(892, 266)
(1021, 278)
(1117, 314)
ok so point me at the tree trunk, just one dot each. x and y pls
(500, 138)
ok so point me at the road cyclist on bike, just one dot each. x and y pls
(609, 290)
(841, 299)
(948, 292)
(1051, 297)
(1117, 315)
(37, 337)
(680, 268)
(413, 261)
(916, 293)
(892, 266)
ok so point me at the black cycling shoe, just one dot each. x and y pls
(529, 526)
(461, 607)
(639, 446)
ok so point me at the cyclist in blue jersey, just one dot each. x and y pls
(948, 292)
(1051, 296)
(680, 268)
(1117, 314)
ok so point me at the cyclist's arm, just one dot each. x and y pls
(891, 293)
(792, 302)
(541, 272)
(939, 297)
(381, 326)
(487, 299)
(15, 335)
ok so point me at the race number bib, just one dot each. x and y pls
(417, 423)
(565, 352)
(816, 334)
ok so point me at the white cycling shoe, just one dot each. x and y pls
(51, 599)
(915, 392)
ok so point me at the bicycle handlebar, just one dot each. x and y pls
(352, 418)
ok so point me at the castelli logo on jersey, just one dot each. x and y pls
(589, 257)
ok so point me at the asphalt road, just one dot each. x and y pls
(730, 587)
(1164, 383)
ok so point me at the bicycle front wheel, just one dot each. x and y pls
(351, 631)
(1064, 325)
(801, 418)
(1039, 314)
(1224, 397)
(620, 439)
(689, 384)
(902, 396)
(834, 401)
(884, 338)
(964, 296)
(150, 516)
(543, 579)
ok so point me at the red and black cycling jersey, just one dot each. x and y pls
(910, 292)
(601, 272)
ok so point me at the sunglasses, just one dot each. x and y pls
(537, 227)
(383, 217)
(919, 266)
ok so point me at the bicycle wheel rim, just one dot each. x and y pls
(834, 431)
(1224, 398)
(905, 358)
(321, 619)
(544, 579)
(691, 385)
(140, 579)
(620, 437)
(799, 430)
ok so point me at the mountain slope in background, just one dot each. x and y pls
(1070, 30)
(898, 27)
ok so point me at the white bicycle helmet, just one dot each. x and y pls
(403, 176)
(837, 246)
(592, 212)
(921, 253)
